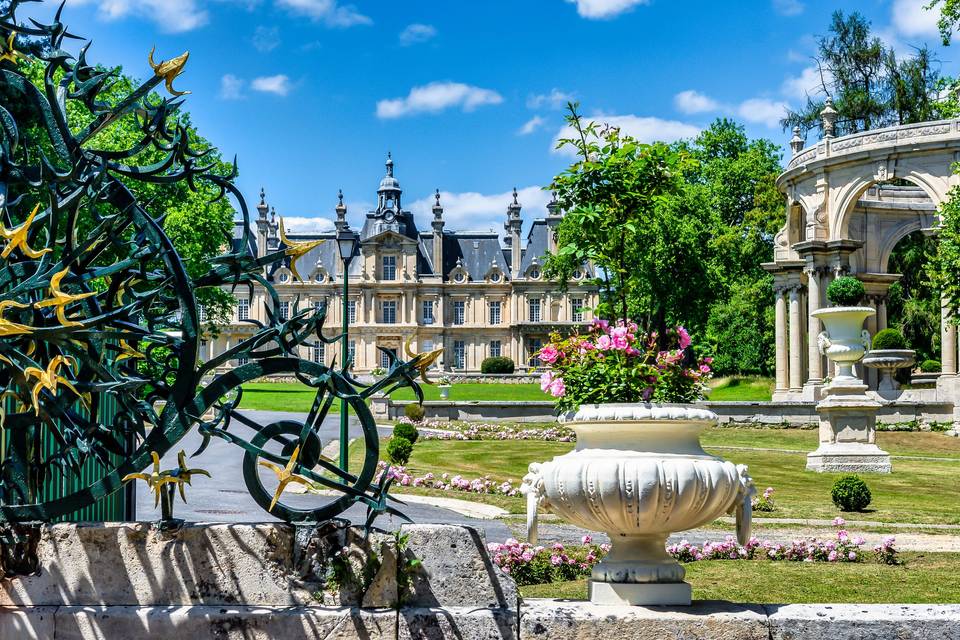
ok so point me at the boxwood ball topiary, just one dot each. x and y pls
(850, 493)
(407, 431)
(930, 366)
(399, 450)
(889, 339)
(414, 412)
(845, 291)
(497, 364)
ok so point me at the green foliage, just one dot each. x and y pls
(871, 85)
(415, 413)
(500, 364)
(913, 303)
(845, 291)
(931, 366)
(889, 339)
(740, 329)
(406, 431)
(399, 450)
(850, 493)
(949, 18)
(944, 269)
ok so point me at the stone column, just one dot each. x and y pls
(881, 313)
(948, 343)
(871, 377)
(781, 339)
(815, 375)
(796, 341)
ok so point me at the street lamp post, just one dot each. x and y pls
(347, 241)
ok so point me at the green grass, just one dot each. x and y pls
(737, 389)
(911, 494)
(296, 397)
(924, 578)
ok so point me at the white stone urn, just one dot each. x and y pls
(444, 391)
(638, 473)
(844, 339)
(888, 361)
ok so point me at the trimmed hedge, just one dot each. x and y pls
(406, 431)
(497, 365)
(930, 366)
(851, 493)
(399, 450)
(414, 412)
(845, 291)
(889, 339)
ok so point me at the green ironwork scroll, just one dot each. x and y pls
(99, 325)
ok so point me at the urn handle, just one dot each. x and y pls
(865, 339)
(744, 505)
(533, 488)
(823, 342)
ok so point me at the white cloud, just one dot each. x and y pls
(277, 85)
(556, 99)
(436, 97)
(266, 39)
(788, 7)
(231, 87)
(762, 111)
(478, 211)
(531, 125)
(642, 128)
(808, 83)
(417, 33)
(327, 11)
(308, 225)
(691, 101)
(603, 9)
(911, 19)
(170, 16)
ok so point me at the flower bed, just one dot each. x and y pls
(528, 564)
(446, 482)
(437, 430)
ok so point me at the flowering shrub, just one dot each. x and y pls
(616, 363)
(446, 482)
(539, 565)
(764, 502)
(436, 430)
(885, 552)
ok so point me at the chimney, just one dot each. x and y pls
(341, 209)
(513, 226)
(438, 237)
(554, 218)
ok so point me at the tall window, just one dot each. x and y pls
(351, 351)
(242, 360)
(427, 345)
(203, 314)
(576, 305)
(389, 267)
(459, 311)
(319, 352)
(318, 305)
(385, 359)
(243, 309)
(284, 311)
(495, 349)
(495, 312)
(459, 354)
(533, 347)
(428, 312)
(351, 311)
(534, 304)
(389, 312)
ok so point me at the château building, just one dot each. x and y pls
(465, 291)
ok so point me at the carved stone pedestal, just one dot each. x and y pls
(848, 419)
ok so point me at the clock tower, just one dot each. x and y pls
(388, 195)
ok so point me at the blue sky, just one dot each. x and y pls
(311, 94)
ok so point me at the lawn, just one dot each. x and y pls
(296, 397)
(735, 389)
(924, 578)
(910, 494)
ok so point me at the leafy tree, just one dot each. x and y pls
(870, 85)
(949, 18)
(627, 213)
(913, 306)
(197, 223)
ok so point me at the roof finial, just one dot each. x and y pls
(796, 143)
(515, 196)
(340, 196)
(389, 164)
(437, 196)
(263, 196)
(829, 118)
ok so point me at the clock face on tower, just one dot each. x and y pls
(389, 215)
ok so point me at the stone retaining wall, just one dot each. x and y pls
(433, 582)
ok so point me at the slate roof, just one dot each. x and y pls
(536, 244)
(238, 238)
(477, 251)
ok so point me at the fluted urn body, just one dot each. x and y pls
(639, 473)
(844, 340)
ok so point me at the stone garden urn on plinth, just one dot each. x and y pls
(848, 415)
(888, 361)
(639, 474)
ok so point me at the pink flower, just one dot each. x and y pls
(852, 556)
(546, 379)
(839, 522)
(684, 338)
(602, 325)
(604, 343)
(587, 539)
(704, 369)
(557, 388)
(633, 352)
(620, 344)
(549, 354)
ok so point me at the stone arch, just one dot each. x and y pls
(894, 239)
(853, 191)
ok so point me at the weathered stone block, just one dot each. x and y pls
(560, 620)
(460, 623)
(132, 564)
(28, 623)
(223, 623)
(864, 622)
(453, 569)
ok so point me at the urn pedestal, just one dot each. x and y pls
(639, 474)
(848, 416)
(888, 361)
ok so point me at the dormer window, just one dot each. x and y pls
(284, 277)
(496, 276)
(534, 273)
(578, 275)
(460, 276)
(389, 268)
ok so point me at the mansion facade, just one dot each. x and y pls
(465, 291)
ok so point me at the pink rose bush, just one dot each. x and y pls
(528, 564)
(618, 363)
(446, 482)
(764, 502)
(845, 548)
(437, 430)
